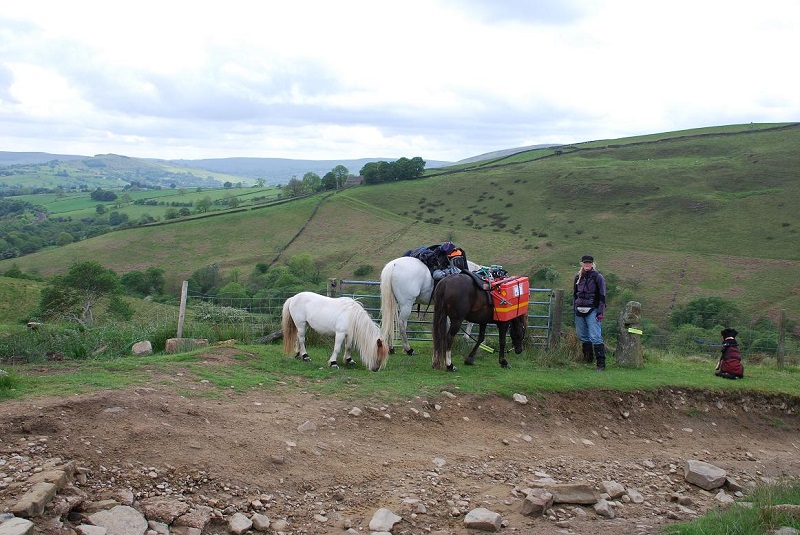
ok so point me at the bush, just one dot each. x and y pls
(119, 308)
(208, 313)
(363, 270)
(8, 383)
(546, 275)
(706, 312)
(764, 342)
(688, 335)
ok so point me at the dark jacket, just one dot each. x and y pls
(589, 291)
(731, 359)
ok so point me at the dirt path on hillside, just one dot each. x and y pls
(323, 465)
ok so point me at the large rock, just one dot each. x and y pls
(580, 493)
(16, 526)
(164, 509)
(33, 502)
(121, 520)
(142, 348)
(239, 523)
(483, 519)
(383, 520)
(536, 502)
(613, 489)
(704, 475)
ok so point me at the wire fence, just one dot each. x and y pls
(258, 320)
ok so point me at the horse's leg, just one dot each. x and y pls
(470, 360)
(448, 360)
(337, 346)
(451, 336)
(502, 329)
(348, 346)
(405, 312)
(301, 342)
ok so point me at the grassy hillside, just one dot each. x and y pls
(670, 216)
(107, 171)
(18, 297)
(232, 240)
(136, 203)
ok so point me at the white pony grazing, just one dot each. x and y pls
(405, 281)
(342, 317)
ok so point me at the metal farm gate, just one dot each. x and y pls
(540, 311)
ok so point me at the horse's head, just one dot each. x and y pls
(382, 351)
(518, 328)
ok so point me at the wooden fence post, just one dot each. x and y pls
(333, 288)
(781, 338)
(182, 313)
(558, 319)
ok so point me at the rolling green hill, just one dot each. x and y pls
(107, 171)
(670, 217)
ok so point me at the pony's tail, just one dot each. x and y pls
(289, 330)
(390, 312)
(439, 325)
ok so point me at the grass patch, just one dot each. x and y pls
(9, 382)
(264, 367)
(762, 517)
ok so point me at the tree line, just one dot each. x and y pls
(372, 173)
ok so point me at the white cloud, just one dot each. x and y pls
(324, 80)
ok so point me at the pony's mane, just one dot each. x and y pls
(364, 334)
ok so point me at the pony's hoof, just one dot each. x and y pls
(469, 362)
(349, 361)
(505, 365)
(333, 365)
(306, 358)
(410, 352)
(391, 351)
(451, 368)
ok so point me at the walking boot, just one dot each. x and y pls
(600, 354)
(588, 357)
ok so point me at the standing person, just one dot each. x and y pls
(589, 302)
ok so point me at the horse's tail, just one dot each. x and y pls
(289, 330)
(390, 312)
(439, 328)
(366, 336)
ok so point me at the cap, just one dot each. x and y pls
(448, 247)
(587, 258)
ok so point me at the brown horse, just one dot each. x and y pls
(457, 299)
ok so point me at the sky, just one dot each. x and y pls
(329, 80)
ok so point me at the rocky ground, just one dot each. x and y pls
(311, 464)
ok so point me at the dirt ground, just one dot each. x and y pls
(324, 467)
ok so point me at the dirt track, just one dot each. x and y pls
(452, 453)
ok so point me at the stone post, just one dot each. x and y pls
(629, 336)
